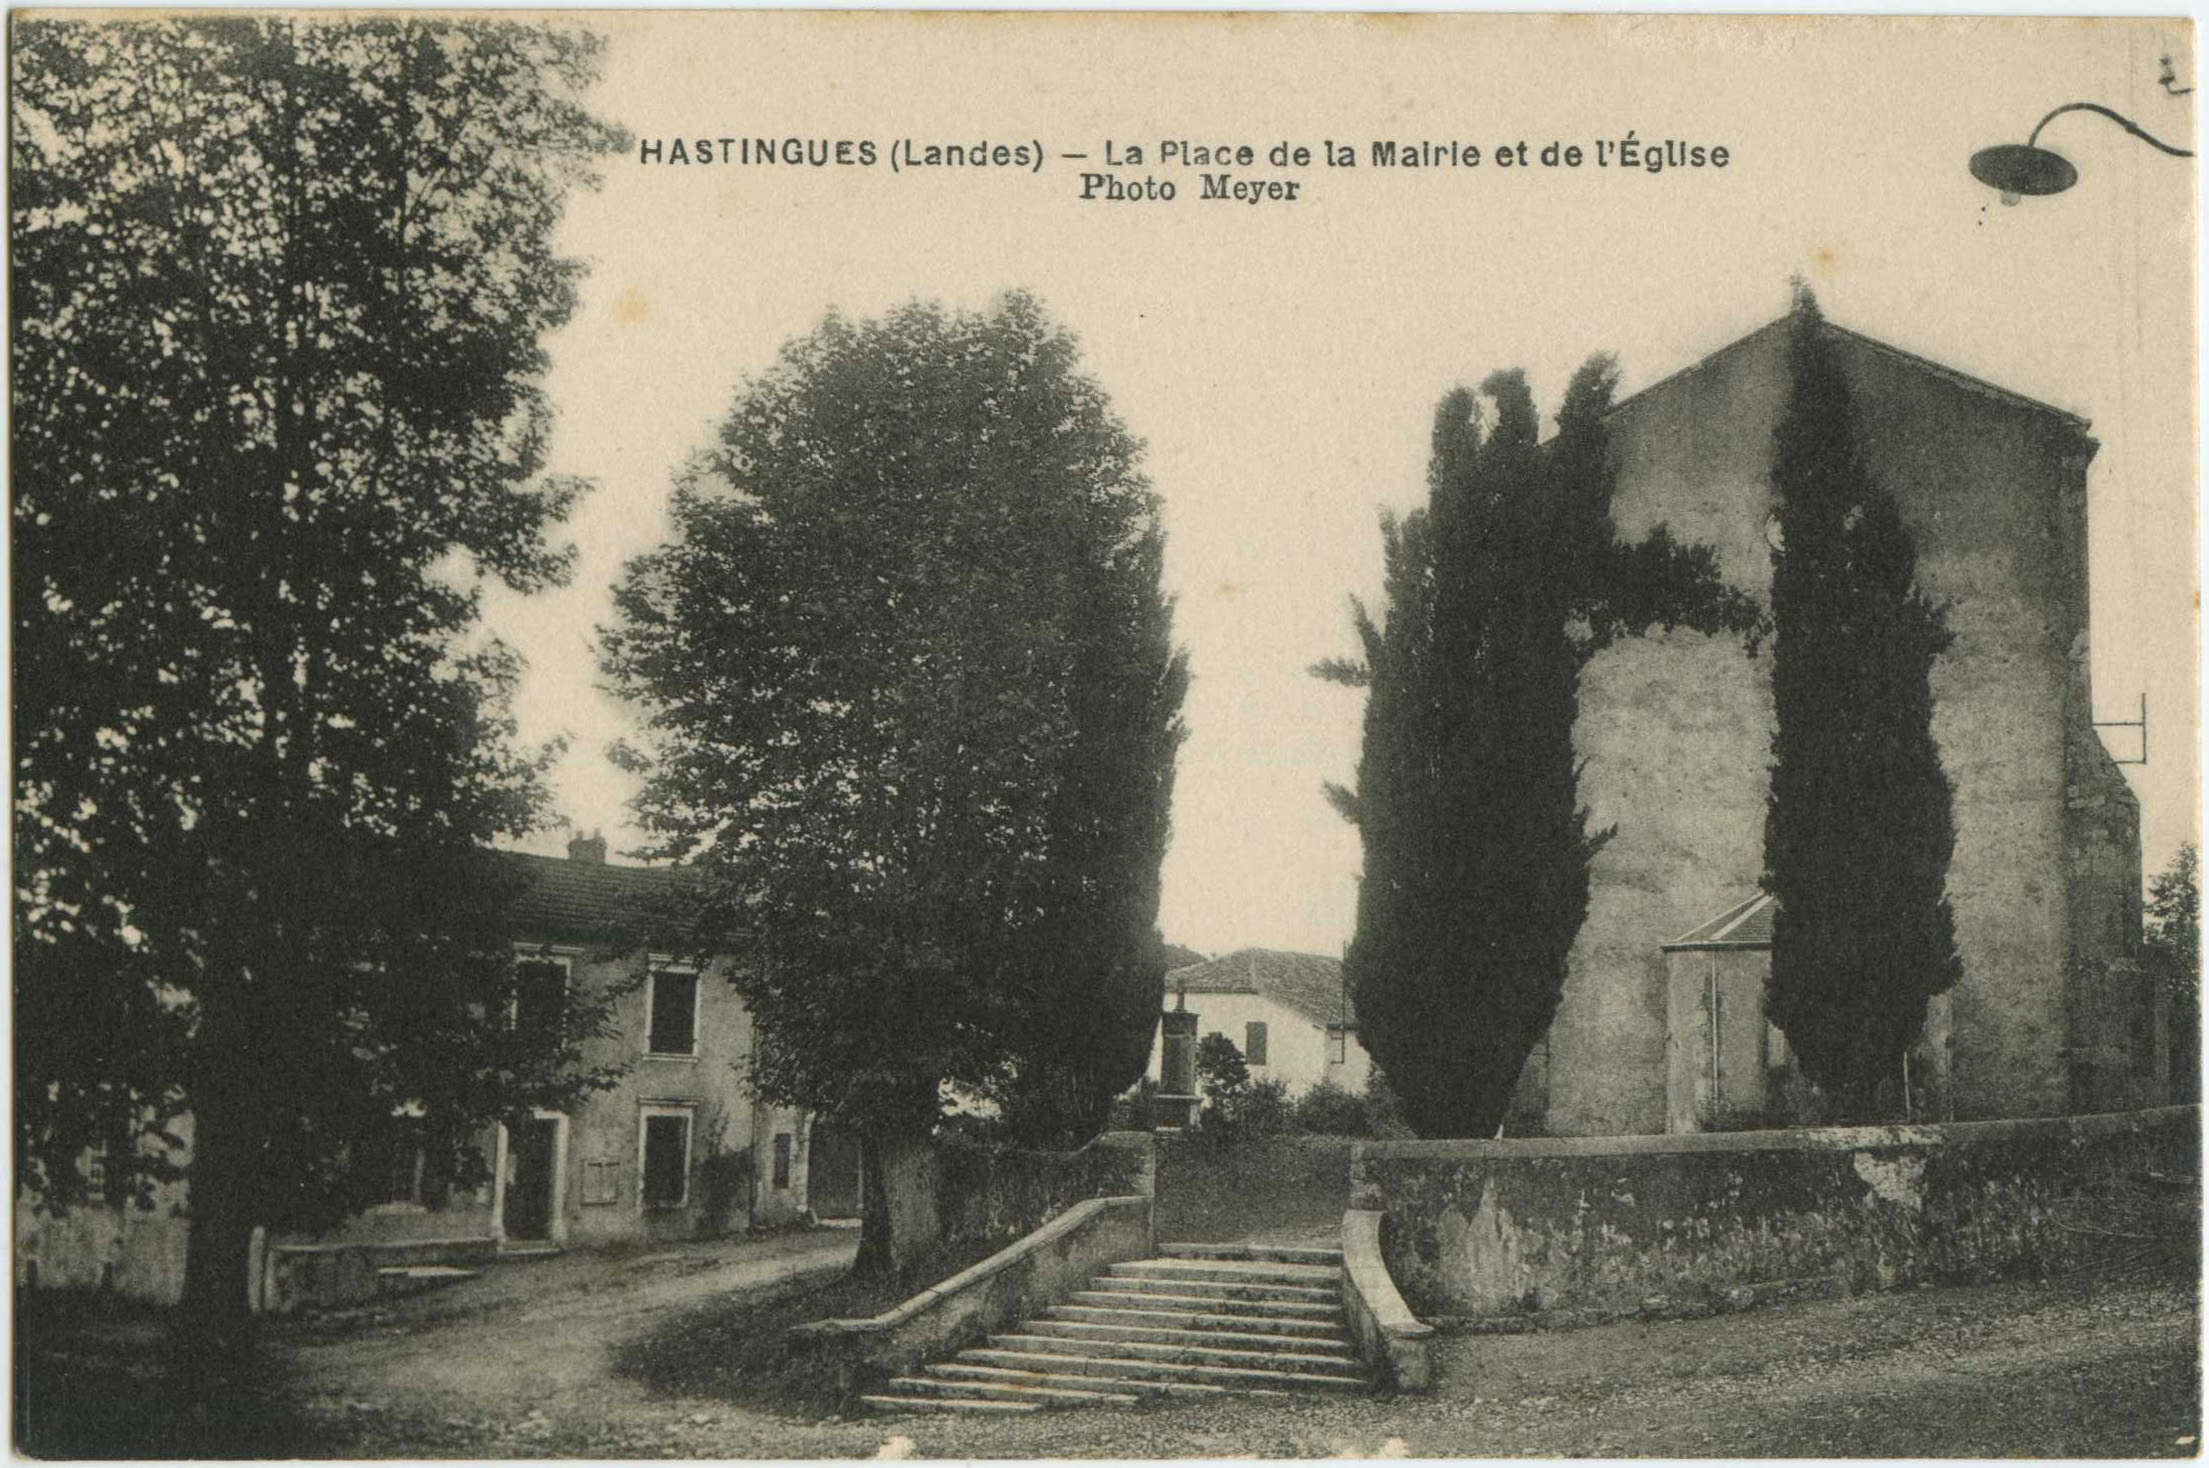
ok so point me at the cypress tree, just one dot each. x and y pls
(1859, 829)
(1477, 848)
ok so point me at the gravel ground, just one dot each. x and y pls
(2094, 1368)
(527, 1362)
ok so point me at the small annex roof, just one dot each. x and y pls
(566, 897)
(1747, 925)
(1951, 375)
(1309, 983)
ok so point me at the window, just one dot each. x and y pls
(1775, 1048)
(602, 1181)
(540, 998)
(1254, 1042)
(782, 1159)
(404, 1180)
(95, 1173)
(666, 1156)
(1338, 1046)
(674, 1017)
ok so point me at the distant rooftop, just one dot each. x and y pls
(583, 892)
(1745, 925)
(1309, 983)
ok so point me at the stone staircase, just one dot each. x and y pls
(1202, 1320)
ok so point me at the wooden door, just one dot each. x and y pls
(529, 1157)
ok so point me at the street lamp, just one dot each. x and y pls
(2014, 169)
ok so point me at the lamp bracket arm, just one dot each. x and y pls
(2122, 121)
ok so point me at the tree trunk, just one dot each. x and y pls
(901, 1226)
(214, 1380)
(215, 1312)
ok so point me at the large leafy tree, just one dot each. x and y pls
(1477, 849)
(912, 706)
(278, 293)
(1859, 827)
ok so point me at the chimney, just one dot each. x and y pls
(591, 848)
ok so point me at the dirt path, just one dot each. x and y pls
(529, 1344)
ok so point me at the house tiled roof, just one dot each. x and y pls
(1745, 925)
(565, 896)
(1309, 983)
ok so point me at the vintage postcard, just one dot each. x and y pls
(1124, 735)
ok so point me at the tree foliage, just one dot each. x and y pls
(1499, 591)
(912, 707)
(278, 293)
(2173, 949)
(1859, 828)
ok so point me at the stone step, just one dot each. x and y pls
(1220, 1304)
(885, 1403)
(1236, 1342)
(1231, 1271)
(1133, 1368)
(968, 1371)
(1274, 1253)
(1329, 1295)
(1173, 1351)
(1329, 1327)
(1089, 1394)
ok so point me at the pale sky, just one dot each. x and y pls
(1283, 359)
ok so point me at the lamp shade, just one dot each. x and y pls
(2020, 168)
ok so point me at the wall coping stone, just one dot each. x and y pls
(376, 1246)
(1794, 1139)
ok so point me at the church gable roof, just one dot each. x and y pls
(1954, 377)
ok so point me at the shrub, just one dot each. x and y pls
(1264, 1109)
(1329, 1110)
(1222, 1074)
(1131, 1112)
(1235, 1106)
(1384, 1114)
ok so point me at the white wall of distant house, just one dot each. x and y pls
(1296, 1048)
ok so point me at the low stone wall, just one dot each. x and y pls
(1011, 1285)
(326, 1276)
(136, 1253)
(997, 1194)
(1393, 1343)
(1489, 1228)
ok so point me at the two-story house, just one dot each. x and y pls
(678, 1148)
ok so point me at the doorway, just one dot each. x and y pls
(532, 1154)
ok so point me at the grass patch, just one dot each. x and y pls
(99, 1376)
(737, 1349)
(1257, 1187)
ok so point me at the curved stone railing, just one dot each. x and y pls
(1020, 1280)
(1394, 1343)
